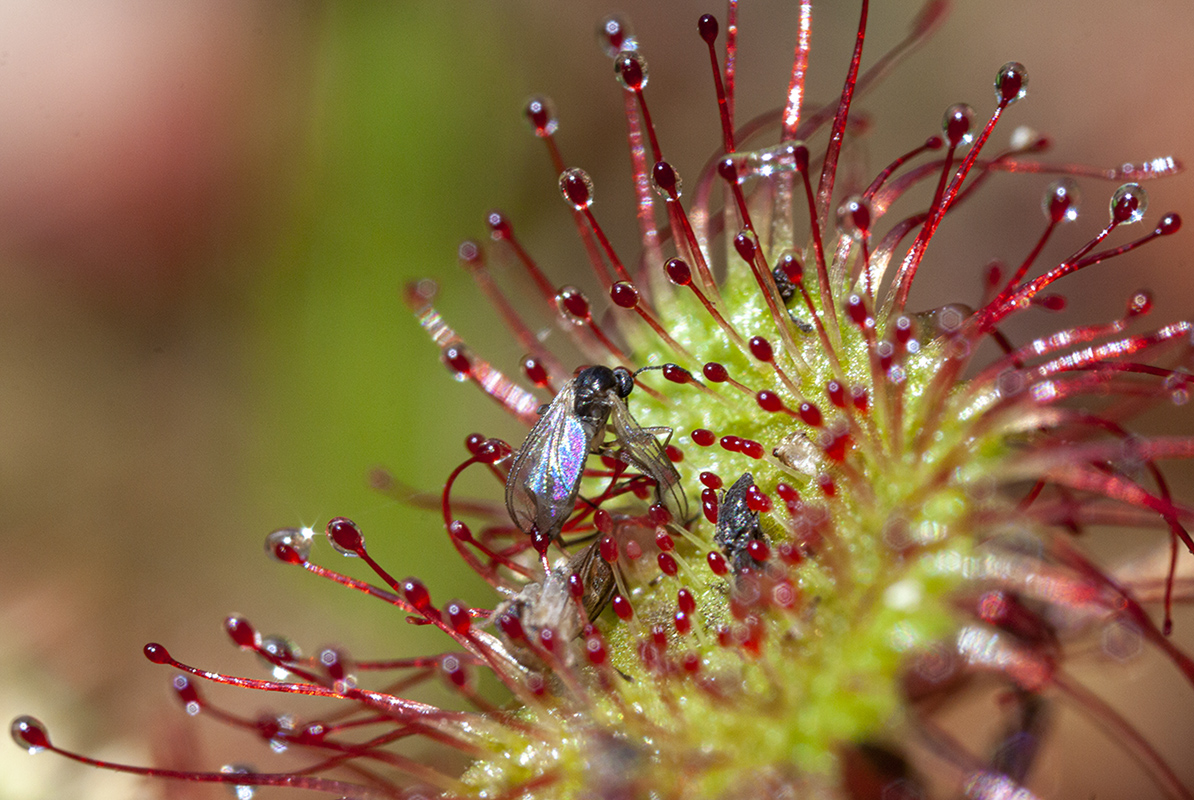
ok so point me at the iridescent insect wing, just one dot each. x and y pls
(542, 485)
(639, 447)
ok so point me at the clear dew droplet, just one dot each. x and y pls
(666, 181)
(240, 791)
(1128, 203)
(297, 540)
(854, 216)
(615, 34)
(631, 70)
(1011, 82)
(576, 187)
(541, 114)
(29, 734)
(282, 648)
(958, 124)
(1060, 202)
(780, 158)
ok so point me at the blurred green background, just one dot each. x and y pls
(208, 211)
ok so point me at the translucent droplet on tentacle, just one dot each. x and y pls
(1128, 203)
(854, 217)
(631, 69)
(666, 181)
(577, 188)
(345, 537)
(1060, 202)
(573, 305)
(541, 113)
(957, 124)
(289, 545)
(614, 34)
(30, 734)
(774, 160)
(1011, 82)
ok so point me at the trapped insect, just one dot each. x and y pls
(737, 525)
(544, 481)
(572, 595)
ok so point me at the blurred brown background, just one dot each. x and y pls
(207, 210)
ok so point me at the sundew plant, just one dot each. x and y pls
(768, 524)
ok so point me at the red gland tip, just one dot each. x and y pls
(667, 563)
(511, 625)
(187, 693)
(573, 304)
(622, 607)
(1140, 303)
(793, 270)
(800, 158)
(242, 632)
(29, 733)
(631, 70)
(728, 170)
(456, 358)
(577, 188)
(678, 272)
(810, 414)
(458, 616)
(957, 123)
(685, 601)
(751, 448)
(708, 28)
(595, 650)
(536, 373)
(676, 374)
(760, 348)
(157, 653)
(288, 545)
(499, 226)
(416, 594)
(345, 536)
(613, 33)
(746, 246)
(709, 505)
(1169, 224)
(717, 563)
(715, 372)
(666, 181)
(624, 294)
(769, 401)
(1011, 83)
(1128, 203)
(541, 113)
(492, 451)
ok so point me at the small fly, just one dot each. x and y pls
(544, 480)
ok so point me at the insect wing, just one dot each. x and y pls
(542, 485)
(639, 448)
(597, 576)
